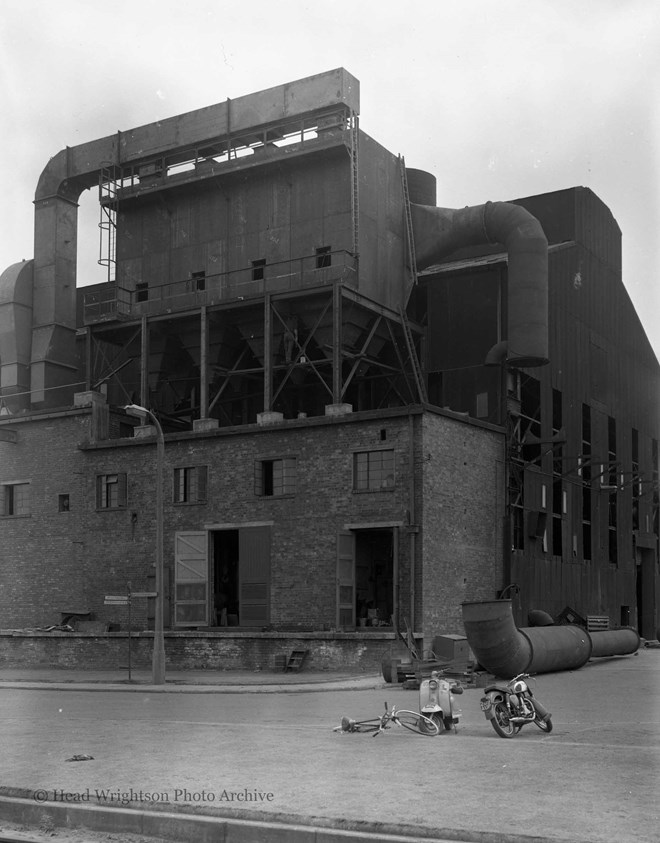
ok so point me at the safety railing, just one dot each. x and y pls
(116, 302)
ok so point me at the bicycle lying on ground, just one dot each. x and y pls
(412, 720)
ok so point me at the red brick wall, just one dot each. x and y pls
(52, 560)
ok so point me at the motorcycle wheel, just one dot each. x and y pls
(425, 727)
(501, 723)
(544, 725)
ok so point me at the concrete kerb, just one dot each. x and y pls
(225, 685)
(231, 827)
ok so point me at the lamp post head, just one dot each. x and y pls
(136, 410)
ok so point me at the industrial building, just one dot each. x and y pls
(372, 408)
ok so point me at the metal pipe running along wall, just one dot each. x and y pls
(505, 650)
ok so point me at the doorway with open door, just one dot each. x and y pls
(367, 577)
(240, 574)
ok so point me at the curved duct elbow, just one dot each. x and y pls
(438, 232)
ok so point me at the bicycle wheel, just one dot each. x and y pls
(360, 725)
(418, 723)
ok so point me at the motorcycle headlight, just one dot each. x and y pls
(519, 687)
(433, 685)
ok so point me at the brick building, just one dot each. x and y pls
(292, 308)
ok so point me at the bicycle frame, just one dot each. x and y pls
(416, 723)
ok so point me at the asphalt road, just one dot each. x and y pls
(595, 778)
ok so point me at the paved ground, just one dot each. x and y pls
(595, 778)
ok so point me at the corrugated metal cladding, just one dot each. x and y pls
(228, 222)
(588, 555)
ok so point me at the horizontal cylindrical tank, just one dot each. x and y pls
(615, 642)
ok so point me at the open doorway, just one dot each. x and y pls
(240, 571)
(374, 577)
(225, 548)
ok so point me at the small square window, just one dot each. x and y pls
(63, 503)
(15, 499)
(190, 484)
(373, 470)
(141, 292)
(274, 478)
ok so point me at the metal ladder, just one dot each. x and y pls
(108, 188)
(410, 236)
(412, 354)
(355, 187)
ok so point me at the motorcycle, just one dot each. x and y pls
(436, 700)
(511, 706)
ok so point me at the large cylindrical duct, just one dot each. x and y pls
(422, 186)
(504, 650)
(438, 232)
(565, 647)
(494, 639)
(615, 642)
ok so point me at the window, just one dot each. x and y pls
(373, 470)
(190, 484)
(63, 503)
(275, 477)
(111, 491)
(15, 499)
(323, 257)
(198, 280)
(141, 292)
(258, 269)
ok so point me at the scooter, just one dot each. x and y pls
(436, 700)
(510, 707)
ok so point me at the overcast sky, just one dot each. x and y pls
(499, 99)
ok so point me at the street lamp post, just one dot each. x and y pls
(158, 658)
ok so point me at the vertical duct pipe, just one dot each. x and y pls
(438, 232)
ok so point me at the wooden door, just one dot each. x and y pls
(191, 578)
(346, 580)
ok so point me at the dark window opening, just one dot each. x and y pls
(586, 541)
(199, 280)
(111, 491)
(323, 257)
(276, 477)
(518, 528)
(530, 413)
(63, 503)
(635, 480)
(141, 292)
(258, 269)
(15, 499)
(190, 484)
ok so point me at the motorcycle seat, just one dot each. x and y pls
(490, 688)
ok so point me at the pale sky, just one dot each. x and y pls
(499, 99)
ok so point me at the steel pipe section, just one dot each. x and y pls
(615, 642)
(503, 649)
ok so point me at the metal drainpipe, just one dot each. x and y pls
(411, 518)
